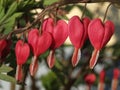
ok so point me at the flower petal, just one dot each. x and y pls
(39, 43)
(3, 44)
(76, 56)
(51, 59)
(19, 74)
(96, 33)
(76, 31)
(109, 30)
(34, 66)
(94, 58)
(22, 52)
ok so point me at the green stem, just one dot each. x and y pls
(106, 12)
(84, 10)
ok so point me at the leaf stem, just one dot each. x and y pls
(83, 13)
(106, 12)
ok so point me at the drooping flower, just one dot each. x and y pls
(78, 30)
(101, 80)
(99, 34)
(90, 79)
(59, 31)
(22, 52)
(6, 50)
(3, 45)
(39, 44)
(116, 74)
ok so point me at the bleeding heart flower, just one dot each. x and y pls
(39, 43)
(90, 79)
(78, 34)
(22, 52)
(102, 76)
(101, 80)
(3, 45)
(99, 34)
(116, 73)
(6, 50)
(59, 33)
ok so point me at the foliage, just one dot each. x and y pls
(3, 71)
(50, 80)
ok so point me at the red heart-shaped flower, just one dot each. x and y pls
(6, 51)
(22, 52)
(3, 45)
(99, 34)
(59, 33)
(78, 34)
(39, 43)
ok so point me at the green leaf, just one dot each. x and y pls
(49, 2)
(1, 7)
(13, 17)
(1, 2)
(5, 69)
(10, 11)
(22, 4)
(2, 12)
(4, 3)
(7, 78)
(9, 23)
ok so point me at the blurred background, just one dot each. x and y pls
(63, 76)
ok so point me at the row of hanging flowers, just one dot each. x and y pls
(52, 35)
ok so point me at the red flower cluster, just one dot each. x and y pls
(59, 32)
(115, 79)
(99, 34)
(53, 35)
